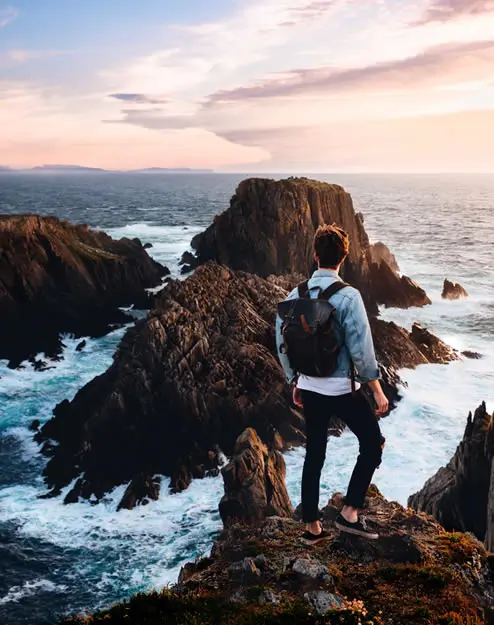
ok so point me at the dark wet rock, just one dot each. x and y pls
(147, 246)
(244, 572)
(269, 228)
(34, 426)
(59, 278)
(81, 346)
(461, 494)
(254, 483)
(472, 355)
(142, 489)
(188, 262)
(453, 290)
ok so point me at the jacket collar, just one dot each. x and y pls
(326, 273)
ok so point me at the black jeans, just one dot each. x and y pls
(356, 411)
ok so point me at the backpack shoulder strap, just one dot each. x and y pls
(332, 289)
(303, 289)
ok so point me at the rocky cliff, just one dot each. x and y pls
(189, 379)
(269, 229)
(461, 495)
(58, 278)
(416, 573)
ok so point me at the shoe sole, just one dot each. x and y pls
(310, 543)
(349, 530)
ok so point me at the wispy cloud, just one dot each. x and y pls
(447, 10)
(7, 15)
(138, 98)
(434, 66)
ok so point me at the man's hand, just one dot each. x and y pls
(382, 403)
(297, 397)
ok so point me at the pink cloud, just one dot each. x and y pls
(446, 10)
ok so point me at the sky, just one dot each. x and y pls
(249, 85)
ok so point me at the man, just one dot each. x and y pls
(324, 397)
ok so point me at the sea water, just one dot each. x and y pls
(56, 559)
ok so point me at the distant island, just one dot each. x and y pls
(79, 169)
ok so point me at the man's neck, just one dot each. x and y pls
(335, 269)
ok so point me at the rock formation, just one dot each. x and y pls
(453, 290)
(461, 494)
(191, 377)
(58, 278)
(269, 228)
(254, 483)
(415, 573)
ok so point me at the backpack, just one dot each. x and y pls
(308, 330)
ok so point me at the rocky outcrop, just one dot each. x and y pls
(254, 483)
(186, 382)
(415, 573)
(269, 229)
(461, 494)
(453, 290)
(59, 278)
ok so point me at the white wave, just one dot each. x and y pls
(16, 593)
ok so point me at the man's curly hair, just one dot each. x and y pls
(331, 245)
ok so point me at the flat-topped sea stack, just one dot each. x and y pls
(269, 228)
(59, 278)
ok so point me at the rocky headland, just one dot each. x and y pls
(269, 227)
(259, 572)
(461, 494)
(187, 381)
(58, 278)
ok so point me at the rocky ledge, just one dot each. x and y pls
(259, 572)
(184, 384)
(453, 290)
(461, 495)
(269, 227)
(59, 278)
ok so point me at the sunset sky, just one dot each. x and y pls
(249, 85)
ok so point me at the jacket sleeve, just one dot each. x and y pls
(358, 338)
(283, 358)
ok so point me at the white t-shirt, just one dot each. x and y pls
(326, 386)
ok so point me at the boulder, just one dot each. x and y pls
(186, 382)
(453, 290)
(59, 278)
(461, 494)
(432, 347)
(254, 483)
(269, 229)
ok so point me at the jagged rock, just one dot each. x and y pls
(453, 290)
(322, 601)
(188, 262)
(59, 278)
(254, 483)
(147, 246)
(34, 427)
(269, 228)
(81, 346)
(189, 379)
(380, 253)
(461, 494)
(142, 489)
(312, 570)
(431, 347)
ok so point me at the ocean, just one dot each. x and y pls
(57, 559)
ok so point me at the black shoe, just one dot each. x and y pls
(314, 539)
(358, 529)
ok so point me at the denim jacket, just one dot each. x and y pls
(353, 331)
